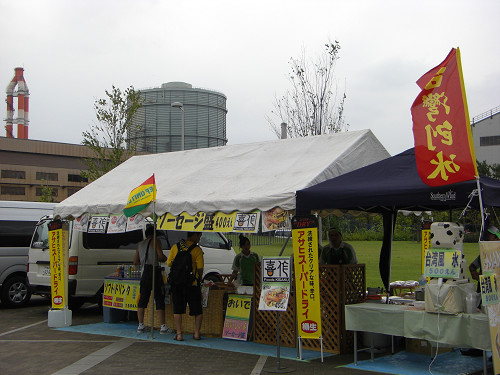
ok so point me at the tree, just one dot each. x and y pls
(488, 170)
(310, 106)
(108, 138)
(47, 193)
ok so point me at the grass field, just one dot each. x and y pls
(405, 258)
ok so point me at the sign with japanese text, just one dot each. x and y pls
(426, 244)
(58, 264)
(443, 263)
(489, 289)
(98, 224)
(444, 150)
(490, 264)
(276, 270)
(305, 258)
(121, 294)
(217, 222)
(237, 317)
(274, 219)
(117, 223)
(276, 278)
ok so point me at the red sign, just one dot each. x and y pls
(441, 128)
(58, 300)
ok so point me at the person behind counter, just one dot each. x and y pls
(492, 234)
(144, 255)
(243, 263)
(188, 294)
(337, 251)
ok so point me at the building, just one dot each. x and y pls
(165, 109)
(27, 165)
(486, 136)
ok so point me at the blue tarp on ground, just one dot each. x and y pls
(404, 363)
(129, 330)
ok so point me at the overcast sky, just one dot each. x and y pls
(74, 50)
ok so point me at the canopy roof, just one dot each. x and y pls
(241, 177)
(393, 184)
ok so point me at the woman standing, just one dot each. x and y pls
(243, 263)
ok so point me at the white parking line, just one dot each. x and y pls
(95, 358)
(259, 365)
(20, 329)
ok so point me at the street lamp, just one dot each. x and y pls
(181, 107)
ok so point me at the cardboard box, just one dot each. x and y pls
(424, 347)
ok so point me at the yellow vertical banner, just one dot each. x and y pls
(490, 254)
(306, 265)
(426, 245)
(57, 275)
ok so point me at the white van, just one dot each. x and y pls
(17, 222)
(92, 256)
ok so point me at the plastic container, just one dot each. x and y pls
(471, 302)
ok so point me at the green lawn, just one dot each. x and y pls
(405, 258)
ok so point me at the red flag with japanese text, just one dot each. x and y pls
(444, 150)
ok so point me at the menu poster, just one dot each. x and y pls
(490, 255)
(117, 223)
(81, 223)
(121, 294)
(274, 219)
(274, 297)
(135, 222)
(275, 280)
(237, 319)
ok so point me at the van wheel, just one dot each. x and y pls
(74, 303)
(15, 292)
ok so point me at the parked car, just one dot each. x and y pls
(92, 256)
(18, 220)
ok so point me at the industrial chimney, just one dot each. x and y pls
(22, 94)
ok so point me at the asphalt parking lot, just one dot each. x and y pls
(29, 346)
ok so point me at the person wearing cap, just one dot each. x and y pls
(492, 234)
(337, 251)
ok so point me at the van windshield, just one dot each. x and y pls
(41, 236)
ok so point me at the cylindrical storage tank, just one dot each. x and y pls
(157, 125)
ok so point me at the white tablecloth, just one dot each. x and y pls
(462, 330)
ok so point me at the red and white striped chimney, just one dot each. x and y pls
(22, 94)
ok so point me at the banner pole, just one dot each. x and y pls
(155, 258)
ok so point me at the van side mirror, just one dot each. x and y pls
(229, 244)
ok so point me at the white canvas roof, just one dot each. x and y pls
(241, 177)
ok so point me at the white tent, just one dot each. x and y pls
(241, 177)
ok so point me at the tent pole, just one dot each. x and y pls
(390, 248)
(480, 203)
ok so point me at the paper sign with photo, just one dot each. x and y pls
(274, 219)
(117, 223)
(135, 222)
(81, 223)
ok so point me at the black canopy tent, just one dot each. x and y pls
(388, 186)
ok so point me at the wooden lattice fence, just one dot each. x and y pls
(339, 286)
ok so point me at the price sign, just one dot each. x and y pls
(489, 289)
(443, 263)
